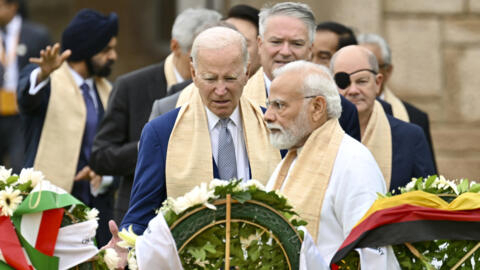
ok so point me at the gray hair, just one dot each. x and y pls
(372, 60)
(297, 10)
(188, 23)
(216, 38)
(317, 81)
(375, 39)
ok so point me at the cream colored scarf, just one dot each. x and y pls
(168, 69)
(378, 139)
(62, 133)
(398, 109)
(186, 94)
(309, 178)
(255, 89)
(189, 154)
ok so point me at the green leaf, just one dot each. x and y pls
(12, 179)
(463, 187)
(197, 253)
(475, 188)
(242, 196)
(210, 248)
(430, 181)
(419, 184)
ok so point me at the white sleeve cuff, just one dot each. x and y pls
(34, 88)
(107, 180)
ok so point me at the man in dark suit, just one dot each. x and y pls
(115, 148)
(400, 148)
(400, 109)
(20, 40)
(62, 102)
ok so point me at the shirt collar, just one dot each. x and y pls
(178, 77)
(213, 118)
(267, 83)
(79, 79)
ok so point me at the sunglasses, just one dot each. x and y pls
(342, 79)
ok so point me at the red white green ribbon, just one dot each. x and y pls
(10, 249)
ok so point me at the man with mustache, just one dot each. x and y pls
(62, 100)
(400, 148)
(330, 178)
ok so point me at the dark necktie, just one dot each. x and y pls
(92, 120)
(227, 163)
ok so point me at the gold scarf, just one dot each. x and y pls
(309, 178)
(62, 132)
(255, 89)
(168, 69)
(398, 109)
(186, 94)
(189, 152)
(378, 139)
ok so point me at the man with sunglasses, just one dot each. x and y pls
(400, 148)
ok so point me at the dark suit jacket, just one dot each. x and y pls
(410, 153)
(35, 37)
(114, 150)
(420, 118)
(416, 117)
(149, 189)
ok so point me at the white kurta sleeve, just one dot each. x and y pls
(156, 247)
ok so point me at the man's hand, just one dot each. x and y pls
(121, 252)
(49, 60)
(88, 174)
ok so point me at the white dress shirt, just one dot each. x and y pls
(236, 130)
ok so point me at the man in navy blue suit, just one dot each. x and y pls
(400, 149)
(186, 146)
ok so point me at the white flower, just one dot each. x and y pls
(4, 174)
(9, 200)
(411, 184)
(129, 238)
(111, 258)
(132, 260)
(217, 183)
(32, 175)
(92, 214)
(255, 183)
(199, 195)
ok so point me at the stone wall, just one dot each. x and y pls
(435, 45)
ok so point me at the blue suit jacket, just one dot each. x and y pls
(410, 153)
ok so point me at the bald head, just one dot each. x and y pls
(355, 70)
(216, 38)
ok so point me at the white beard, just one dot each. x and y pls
(287, 138)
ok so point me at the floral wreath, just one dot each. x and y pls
(33, 215)
(250, 245)
(435, 220)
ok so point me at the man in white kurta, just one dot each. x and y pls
(330, 178)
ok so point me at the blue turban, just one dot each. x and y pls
(89, 33)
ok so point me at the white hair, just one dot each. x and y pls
(188, 23)
(297, 10)
(317, 81)
(219, 37)
(375, 39)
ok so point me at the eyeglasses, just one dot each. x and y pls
(279, 105)
(342, 79)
